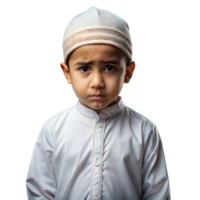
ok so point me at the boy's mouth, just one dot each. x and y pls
(97, 95)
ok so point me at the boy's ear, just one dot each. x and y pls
(64, 71)
(63, 66)
(130, 72)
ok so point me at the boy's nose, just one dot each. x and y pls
(97, 80)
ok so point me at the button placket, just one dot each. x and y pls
(97, 160)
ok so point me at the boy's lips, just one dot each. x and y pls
(97, 95)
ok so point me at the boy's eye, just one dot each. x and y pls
(109, 68)
(84, 69)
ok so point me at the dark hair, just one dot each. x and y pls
(127, 60)
(67, 61)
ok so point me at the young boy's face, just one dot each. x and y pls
(97, 69)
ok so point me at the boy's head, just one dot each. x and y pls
(97, 69)
(97, 57)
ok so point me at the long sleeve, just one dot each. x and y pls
(155, 181)
(40, 182)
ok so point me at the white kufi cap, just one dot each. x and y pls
(97, 26)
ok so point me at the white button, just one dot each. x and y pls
(97, 162)
(99, 125)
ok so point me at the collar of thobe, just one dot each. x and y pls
(105, 113)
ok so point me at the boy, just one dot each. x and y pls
(99, 148)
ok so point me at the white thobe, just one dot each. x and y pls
(114, 155)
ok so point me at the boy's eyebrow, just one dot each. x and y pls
(105, 62)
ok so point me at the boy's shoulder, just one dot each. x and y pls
(60, 116)
(140, 119)
(138, 115)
